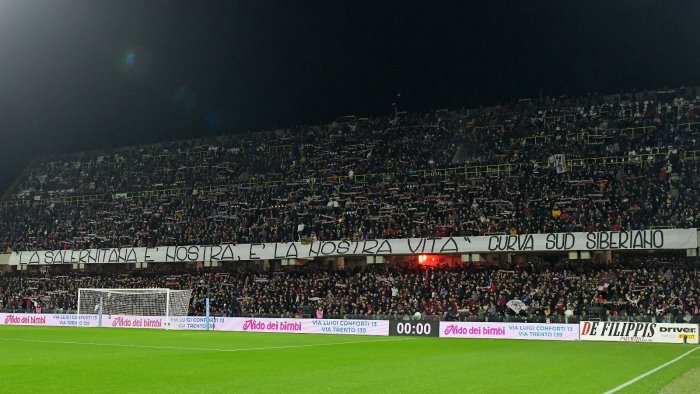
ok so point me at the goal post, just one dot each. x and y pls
(154, 302)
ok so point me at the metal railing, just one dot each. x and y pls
(637, 130)
(469, 171)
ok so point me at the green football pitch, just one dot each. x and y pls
(70, 360)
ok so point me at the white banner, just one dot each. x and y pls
(607, 240)
(559, 162)
(638, 332)
(537, 331)
(516, 305)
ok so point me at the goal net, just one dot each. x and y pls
(134, 302)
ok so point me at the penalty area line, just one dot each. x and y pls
(200, 349)
(645, 374)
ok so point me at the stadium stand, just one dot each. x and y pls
(629, 162)
(629, 165)
(640, 289)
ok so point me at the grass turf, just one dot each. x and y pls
(43, 359)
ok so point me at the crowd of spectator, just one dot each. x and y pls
(639, 289)
(370, 146)
(511, 133)
(632, 164)
(529, 200)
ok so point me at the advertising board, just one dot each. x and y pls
(305, 326)
(536, 331)
(638, 332)
(242, 324)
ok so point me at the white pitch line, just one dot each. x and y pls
(200, 349)
(645, 374)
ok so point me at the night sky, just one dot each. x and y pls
(84, 74)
